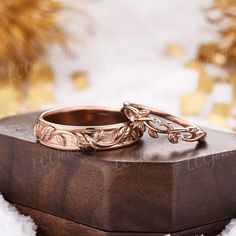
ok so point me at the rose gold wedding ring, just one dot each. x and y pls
(99, 128)
(85, 129)
(158, 122)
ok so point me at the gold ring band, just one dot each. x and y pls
(99, 128)
(85, 128)
(159, 122)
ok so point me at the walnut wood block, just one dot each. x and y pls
(153, 186)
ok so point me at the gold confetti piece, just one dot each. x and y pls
(218, 120)
(225, 3)
(80, 80)
(222, 109)
(232, 56)
(219, 59)
(174, 49)
(192, 103)
(39, 95)
(205, 83)
(211, 53)
(232, 77)
(221, 80)
(195, 65)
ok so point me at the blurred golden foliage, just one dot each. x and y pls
(220, 53)
(40, 86)
(11, 97)
(28, 28)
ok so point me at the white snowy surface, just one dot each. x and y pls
(14, 224)
(230, 229)
(125, 60)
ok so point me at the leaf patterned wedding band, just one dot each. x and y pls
(99, 128)
(158, 122)
(85, 129)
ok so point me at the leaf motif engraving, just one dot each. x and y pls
(136, 133)
(153, 133)
(61, 139)
(98, 136)
(173, 137)
(46, 133)
(144, 113)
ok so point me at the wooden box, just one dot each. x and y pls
(150, 188)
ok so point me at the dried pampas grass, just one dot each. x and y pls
(27, 29)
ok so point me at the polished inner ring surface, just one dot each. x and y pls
(85, 117)
(79, 128)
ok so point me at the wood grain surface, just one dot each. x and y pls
(152, 186)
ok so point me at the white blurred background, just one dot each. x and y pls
(125, 55)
